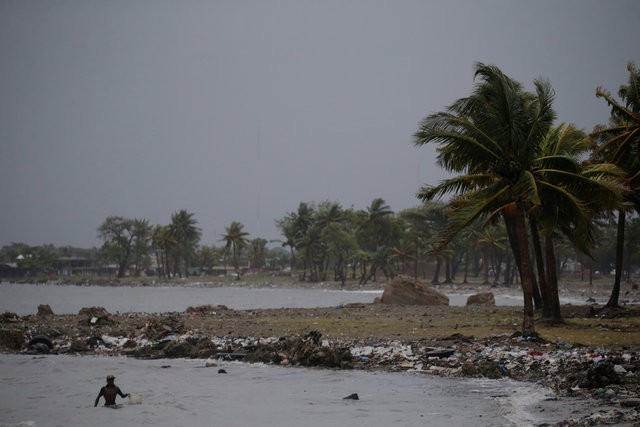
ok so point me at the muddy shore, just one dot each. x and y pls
(446, 341)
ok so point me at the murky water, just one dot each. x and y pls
(66, 299)
(60, 391)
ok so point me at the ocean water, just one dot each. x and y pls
(60, 391)
(67, 299)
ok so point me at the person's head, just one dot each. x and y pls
(110, 379)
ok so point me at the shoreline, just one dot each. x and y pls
(443, 341)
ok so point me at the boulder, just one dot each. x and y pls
(483, 298)
(44, 310)
(407, 291)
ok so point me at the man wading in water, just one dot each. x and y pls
(109, 392)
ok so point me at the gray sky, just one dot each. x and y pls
(239, 110)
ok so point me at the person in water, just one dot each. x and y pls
(109, 392)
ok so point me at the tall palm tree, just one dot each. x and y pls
(621, 146)
(490, 138)
(376, 235)
(517, 167)
(236, 241)
(571, 193)
(185, 232)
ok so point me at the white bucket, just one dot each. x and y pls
(135, 399)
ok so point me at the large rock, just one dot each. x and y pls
(483, 298)
(44, 310)
(407, 291)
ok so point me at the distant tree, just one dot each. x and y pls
(207, 257)
(257, 252)
(122, 237)
(38, 259)
(10, 253)
(236, 240)
(185, 232)
(620, 144)
(164, 246)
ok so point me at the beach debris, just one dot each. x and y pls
(206, 309)
(40, 344)
(408, 291)
(11, 339)
(94, 316)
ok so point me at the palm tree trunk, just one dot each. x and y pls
(517, 231)
(552, 281)
(485, 268)
(466, 265)
(615, 293)
(436, 275)
(542, 275)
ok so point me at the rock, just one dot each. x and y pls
(483, 298)
(11, 339)
(222, 371)
(407, 291)
(44, 310)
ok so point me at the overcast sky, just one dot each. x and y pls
(240, 110)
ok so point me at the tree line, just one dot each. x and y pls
(526, 196)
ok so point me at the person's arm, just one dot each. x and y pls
(121, 394)
(99, 396)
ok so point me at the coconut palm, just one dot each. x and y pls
(163, 244)
(517, 167)
(185, 232)
(621, 146)
(236, 241)
(571, 194)
(490, 138)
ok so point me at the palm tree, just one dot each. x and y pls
(621, 146)
(571, 194)
(164, 245)
(490, 138)
(376, 235)
(517, 167)
(257, 255)
(236, 241)
(184, 230)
